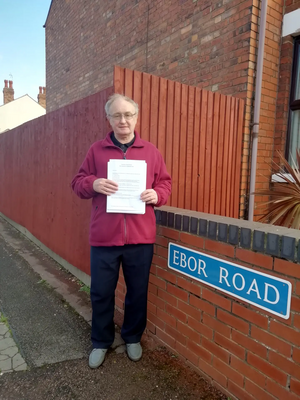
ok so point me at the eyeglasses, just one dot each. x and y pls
(118, 117)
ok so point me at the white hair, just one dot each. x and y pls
(116, 96)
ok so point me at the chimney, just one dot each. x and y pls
(8, 92)
(42, 97)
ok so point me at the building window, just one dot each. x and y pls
(293, 138)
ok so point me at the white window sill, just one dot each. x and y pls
(278, 178)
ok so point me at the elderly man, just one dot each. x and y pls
(118, 238)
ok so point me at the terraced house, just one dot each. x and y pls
(210, 44)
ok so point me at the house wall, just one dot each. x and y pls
(18, 112)
(247, 352)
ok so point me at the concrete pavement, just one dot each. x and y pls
(10, 357)
(45, 339)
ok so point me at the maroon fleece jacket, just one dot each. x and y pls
(115, 229)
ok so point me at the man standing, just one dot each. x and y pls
(117, 238)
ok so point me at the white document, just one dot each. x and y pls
(130, 175)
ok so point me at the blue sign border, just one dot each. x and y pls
(248, 271)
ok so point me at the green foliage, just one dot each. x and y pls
(85, 289)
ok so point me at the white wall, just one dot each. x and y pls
(19, 111)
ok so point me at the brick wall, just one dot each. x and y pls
(249, 353)
(202, 43)
(270, 81)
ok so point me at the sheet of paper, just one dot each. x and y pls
(130, 175)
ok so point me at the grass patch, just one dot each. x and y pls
(85, 288)
(3, 319)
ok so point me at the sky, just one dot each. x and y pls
(22, 45)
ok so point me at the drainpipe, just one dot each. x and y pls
(259, 71)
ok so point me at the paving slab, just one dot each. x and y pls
(10, 358)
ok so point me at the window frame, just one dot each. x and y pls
(294, 103)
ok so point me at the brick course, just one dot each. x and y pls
(244, 350)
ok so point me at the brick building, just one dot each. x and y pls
(211, 44)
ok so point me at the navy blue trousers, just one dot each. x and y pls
(105, 265)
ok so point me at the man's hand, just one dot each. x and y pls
(149, 196)
(105, 186)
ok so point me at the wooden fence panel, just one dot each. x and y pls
(176, 148)
(169, 126)
(162, 117)
(196, 143)
(182, 147)
(220, 158)
(202, 140)
(154, 109)
(37, 163)
(199, 134)
(189, 147)
(146, 102)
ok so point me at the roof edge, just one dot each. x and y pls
(44, 26)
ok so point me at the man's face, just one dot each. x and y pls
(120, 119)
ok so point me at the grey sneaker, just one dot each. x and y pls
(134, 351)
(97, 357)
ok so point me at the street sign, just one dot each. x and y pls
(262, 290)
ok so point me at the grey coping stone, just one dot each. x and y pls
(178, 219)
(203, 227)
(194, 225)
(212, 230)
(288, 247)
(233, 235)
(171, 218)
(259, 241)
(222, 232)
(234, 221)
(272, 244)
(158, 216)
(186, 223)
(164, 218)
(245, 238)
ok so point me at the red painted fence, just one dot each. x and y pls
(37, 163)
(199, 134)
